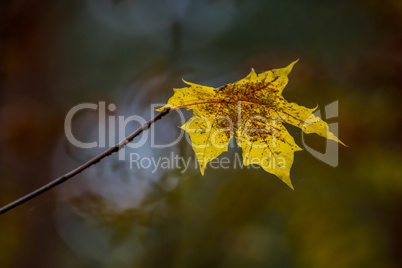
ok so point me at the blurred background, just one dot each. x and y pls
(55, 55)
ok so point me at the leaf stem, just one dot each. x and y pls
(84, 166)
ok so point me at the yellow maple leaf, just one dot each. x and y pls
(252, 110)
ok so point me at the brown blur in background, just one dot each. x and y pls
(57, 54)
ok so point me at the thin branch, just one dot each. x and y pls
(84, 166)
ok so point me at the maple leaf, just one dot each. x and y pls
(253, 111)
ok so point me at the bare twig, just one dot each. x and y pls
(84, 166)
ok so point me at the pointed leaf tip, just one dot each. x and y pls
(202, 169)
(291, 187)
(252, 74)
(288, 182)
(289, 68)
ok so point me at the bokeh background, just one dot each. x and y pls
(131, 53)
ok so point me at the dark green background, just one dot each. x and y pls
(57, 54)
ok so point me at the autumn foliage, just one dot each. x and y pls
(252, 111)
